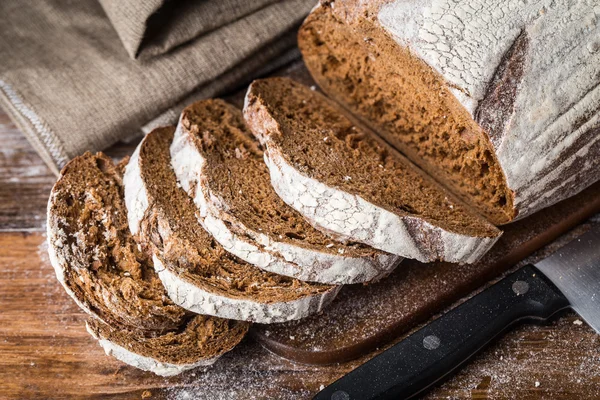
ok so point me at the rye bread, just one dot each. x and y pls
(500, 103)
(100, 266)
(198, 273)
(346, 181)
(230, 185)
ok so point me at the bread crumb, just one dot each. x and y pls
(146, 394)
(577, 322)
(330, 245)
(313, 88)
(537, 384)
(321, 387)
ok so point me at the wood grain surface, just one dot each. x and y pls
(46, 353)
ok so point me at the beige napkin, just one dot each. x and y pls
(75, 77)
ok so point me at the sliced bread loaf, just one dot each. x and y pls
(99, 264)
(500, 102)
(198, 273)
(344, 180)
(221, 165)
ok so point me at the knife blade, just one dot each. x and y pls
(569, 278)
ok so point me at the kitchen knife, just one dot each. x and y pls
(570, 277)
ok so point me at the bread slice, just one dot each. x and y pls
(99, 264)
(344, 180)
(490, 101)
(230, 185)
(198, 273)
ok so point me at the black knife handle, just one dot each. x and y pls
(426, 356)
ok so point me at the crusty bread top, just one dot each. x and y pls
(319, 141)
(172, 229)
(99, 264)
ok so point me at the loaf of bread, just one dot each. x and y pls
(100, 266)
(345, 180)
(498, 101)
(221, 165)
(197, 272)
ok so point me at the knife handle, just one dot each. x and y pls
(428, 355)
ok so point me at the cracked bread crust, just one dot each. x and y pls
(346, 182)
(199, 274)
(231, 187)
(98, 263)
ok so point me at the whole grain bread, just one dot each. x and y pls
(230, 185)
(99, 264)
(198, 273)
(500, 104)
(346, 181)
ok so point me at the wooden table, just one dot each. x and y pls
(45, 351)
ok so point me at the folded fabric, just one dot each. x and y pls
(151, 27)
(69, 83)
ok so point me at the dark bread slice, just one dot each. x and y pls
(99, 264)
(198, 273)
(231, 187)
(345, 180)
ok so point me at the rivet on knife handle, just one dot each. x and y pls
(425, 357)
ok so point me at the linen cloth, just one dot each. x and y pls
(75, 77)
